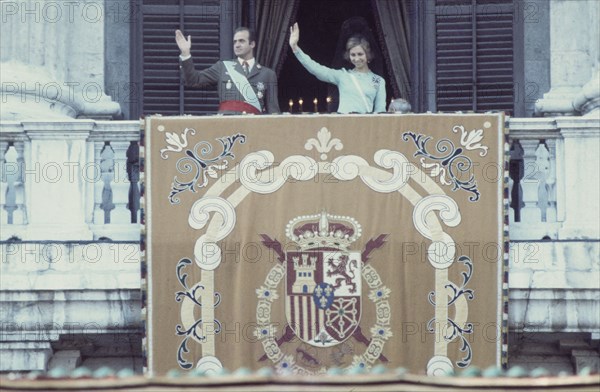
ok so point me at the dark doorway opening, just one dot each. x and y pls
(320, 25)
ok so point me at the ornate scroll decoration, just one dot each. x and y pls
(191, 328)
(253, 176)
(441, 251)
(458, 328)
(347, 167)
(207, 253)
(451, 159)
(197, 160)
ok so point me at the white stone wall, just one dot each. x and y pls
(73, 295)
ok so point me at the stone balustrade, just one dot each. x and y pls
(65, 163)
(69, 180)
(553, 178)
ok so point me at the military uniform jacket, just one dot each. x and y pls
(262, 80)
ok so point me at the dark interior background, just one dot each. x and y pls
(320, 23)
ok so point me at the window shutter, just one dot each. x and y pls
(474, 55)
(162, 89)
(206, 52)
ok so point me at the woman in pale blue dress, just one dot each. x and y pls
(361, 91)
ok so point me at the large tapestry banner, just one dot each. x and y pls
(305, 243)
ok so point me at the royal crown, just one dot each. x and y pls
(323, 231)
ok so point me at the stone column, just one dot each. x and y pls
(574, 42)
(52, 60)
(587, 101)
(56, 180)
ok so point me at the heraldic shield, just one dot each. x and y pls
(323, 281)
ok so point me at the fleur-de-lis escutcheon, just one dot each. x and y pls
(470, 140)
(176, 142)
(324, 143)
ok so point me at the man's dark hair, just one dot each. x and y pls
(251, 33)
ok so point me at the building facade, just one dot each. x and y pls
(76, 75)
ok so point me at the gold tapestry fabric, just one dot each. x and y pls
(305, 243)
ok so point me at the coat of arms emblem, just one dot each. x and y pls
(324, 282)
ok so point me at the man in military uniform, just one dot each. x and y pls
(244, 85)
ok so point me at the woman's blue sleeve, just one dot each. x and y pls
(321, 72)
(380, 98)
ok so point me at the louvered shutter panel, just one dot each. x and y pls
(454, 58)
(205, 49)
(474, 57)
(162, 90)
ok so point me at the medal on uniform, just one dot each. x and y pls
(228, 85)
(260, 87)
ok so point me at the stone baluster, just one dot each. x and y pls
(107, 170)
(542, 164)
(12, 181)
(20, 216)
(516, 175)
(530, 213)
(95, 176)
(551, 214)
(133, 174)
(87, 173)
(13, 208)
(120, 184)
(511, 210)
(3, 182)
(119, 138)
(556, 180)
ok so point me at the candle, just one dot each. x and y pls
(300, 102)
(316, 101)
(328, 99)
(291, 103)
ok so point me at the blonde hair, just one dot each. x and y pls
(358, 40)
